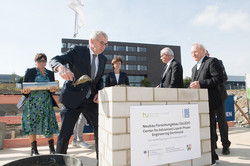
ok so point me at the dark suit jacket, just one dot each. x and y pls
(174, 76)
(210, 76)
(111, 79)
(223, 90)
(78, 59)
(30, 76)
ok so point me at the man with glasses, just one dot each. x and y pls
(172, 76)
(81, 98)
(208, 74)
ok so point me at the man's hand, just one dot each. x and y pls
(25, 91)
(194, 85)
(95, 100)
(65, 73)
(53, 89)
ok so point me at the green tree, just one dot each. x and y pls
(186, 81)
(13, 78)
(145, 82)
(20, 80)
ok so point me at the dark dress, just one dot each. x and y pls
(38, 113)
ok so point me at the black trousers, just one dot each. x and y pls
(223, 126)
(212, 133)
(69, 118)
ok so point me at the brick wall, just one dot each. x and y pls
(114, 120)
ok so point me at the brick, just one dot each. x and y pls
(153, 103)
(101, 149)
(128, 125)
(205, 146)
(116, 94)
(103, 136)
(188, 94)
(103, 108)
(129, 157)
(116, 125)
(165, 94)
(120, 109)
(204, 160)
(204, 120)
(182, 163)
(176, 103)
(119, 142)
(205, 133)
(101, 120)
(203, 94)
(120, 157)
(139, 94)
(202, 106)
(116, 158)
(112, 94)
(102, 95)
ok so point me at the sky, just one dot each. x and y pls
(32, 26)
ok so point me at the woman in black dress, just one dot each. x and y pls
(116, 77)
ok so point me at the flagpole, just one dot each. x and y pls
(75, 29)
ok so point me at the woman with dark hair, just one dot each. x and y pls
(116, 77)
(38, 116)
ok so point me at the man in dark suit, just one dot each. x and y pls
(172, 76)
(207, 73)
(221, 114)
(82, 98)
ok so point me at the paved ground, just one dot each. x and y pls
(240, 151)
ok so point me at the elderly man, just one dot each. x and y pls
(81, 98)
(172, 76)
(207, 73)
(221, 114)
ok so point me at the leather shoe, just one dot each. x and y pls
(226, 151)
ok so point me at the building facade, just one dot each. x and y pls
(9, 78)
(139, 60)
(235, 82)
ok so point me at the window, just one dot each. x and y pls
(135, 79)
(70, 45)
(131, 49)
(120, 48)
(109, 57)
(130, 67)
(123, 67)
(109, 48)
(141, 49)
(64, 45)
(108, 66)
(141, 58)
(142, 67)
(130, 58)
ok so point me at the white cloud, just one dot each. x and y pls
(208, 17)
(213, 16)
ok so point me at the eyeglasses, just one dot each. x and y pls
(163, 55)
(42, 61)
(102, 43)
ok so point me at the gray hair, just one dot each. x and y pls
(94, 35)
(166, 51)
(200, 46)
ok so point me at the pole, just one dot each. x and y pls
(76, 28)
(247, 84)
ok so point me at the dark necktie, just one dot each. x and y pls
(93, 67)
(165, 71)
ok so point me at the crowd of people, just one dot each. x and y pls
(80, 103)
